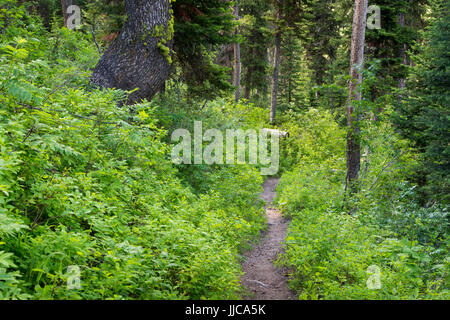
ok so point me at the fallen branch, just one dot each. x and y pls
(259, 282)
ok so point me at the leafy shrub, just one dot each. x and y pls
(86, 183)
(332, 253)
(314, 138)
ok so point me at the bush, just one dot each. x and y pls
(86, 183)
(333, 254)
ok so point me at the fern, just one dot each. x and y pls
(22, 91)
(9, 226)
(5, 260)
(9, 281)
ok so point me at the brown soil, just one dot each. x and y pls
(261, 278)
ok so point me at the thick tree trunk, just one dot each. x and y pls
(237, 59)
(356, 60)
(64, 5)
(276, 67)
(140, 55)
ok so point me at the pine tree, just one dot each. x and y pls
(140, 57)
(424, 116)
(201, 29)
(254, 49)
(287, 14)
(276, 67)
(400, 22)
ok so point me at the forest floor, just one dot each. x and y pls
(262, 279)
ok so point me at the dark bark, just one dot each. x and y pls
(356, 60)
(64, 5)
(276, 67)
(402, 81)
(247, 92)
(135, 59)
(290, 89)
(237, 59)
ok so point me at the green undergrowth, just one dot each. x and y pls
(336, 255)
(86, 183)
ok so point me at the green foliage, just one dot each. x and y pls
(330, 252)
(255, 29)
(175, 113)
(393, 42)
(423, 115)
(86, 183)
(315, 138)
(201, 27)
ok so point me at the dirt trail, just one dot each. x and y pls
(262, 279)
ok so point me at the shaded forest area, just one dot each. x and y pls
(93, 207)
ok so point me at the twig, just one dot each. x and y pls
(29, 132)
(38, 216)
(64, 83)
(259, 282)
(93, 36)
(384, 168)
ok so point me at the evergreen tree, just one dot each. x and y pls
(201, 28)
(400, 20)
(286, 15)
(140, 57)
(424, 116)
(254, 49)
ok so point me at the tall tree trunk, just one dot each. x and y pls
(140, 55)
(276, 65)
(401, 21)
(237, 59)
(247, 92)
(64, 5)
(290, 89)
(356, 60)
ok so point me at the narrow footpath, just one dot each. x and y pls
(261, 278)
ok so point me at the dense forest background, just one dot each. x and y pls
(86, 177)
